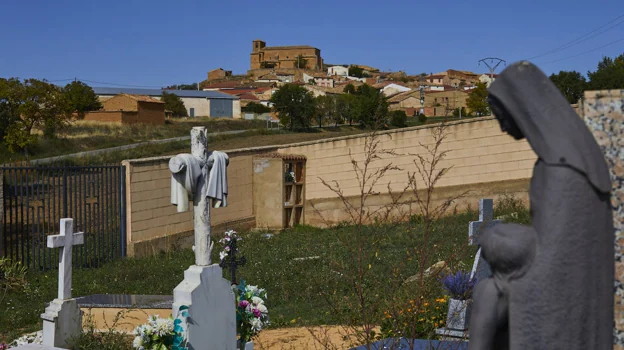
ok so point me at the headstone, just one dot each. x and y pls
(480, 267)
(62, 319)
(212, 313)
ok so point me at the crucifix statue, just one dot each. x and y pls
(202, 178)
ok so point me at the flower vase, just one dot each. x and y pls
(246, 346)
(458, 314)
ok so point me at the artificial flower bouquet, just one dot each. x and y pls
(251, 313)
(162, 333)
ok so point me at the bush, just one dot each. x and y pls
(422, 118)
(254, 107)
(93, 339)
(12, 276)
(398, 119)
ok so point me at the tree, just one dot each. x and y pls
(254, 107)
(33, 104)
(355, 71)
(174, 103)
(372, 106)
(349, 89)
(326, 109)
(477, 100)
(346, 108)
(81, 98)
(398, 119)
(571, 84)
(182, 87)
(295, 106)
(608, 75)
(301, 62)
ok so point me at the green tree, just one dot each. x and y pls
(174, 103)
(398, 119)
(254, 107)
(346, 108)
(355, 71)
(301, 62)
(295, 106)
(372, 106)
(608, 75)
(349, 89)
(477, 100)
(81, 98)
(571, 84)
(182, 87)
(326, 109)
(29, 105)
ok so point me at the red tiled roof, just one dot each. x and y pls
(222, 85)
(248, 96)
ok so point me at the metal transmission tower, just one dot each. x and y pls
(489, 65)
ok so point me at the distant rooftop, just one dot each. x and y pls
(287, 47)
(156, 92)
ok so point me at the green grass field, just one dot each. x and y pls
(298, 290)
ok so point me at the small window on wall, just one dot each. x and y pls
(434, 111)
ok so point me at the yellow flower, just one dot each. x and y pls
(435, 324)
(426, 304)
(421, 319)
(437, 308)
(409, 310)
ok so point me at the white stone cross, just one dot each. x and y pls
(65, 241)
(480, 267)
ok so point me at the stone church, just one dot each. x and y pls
(263, 57)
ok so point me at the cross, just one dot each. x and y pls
(480, 267)
(232, 261)
(65, 241)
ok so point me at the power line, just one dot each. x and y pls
(588, 51)
(582, 38)
(114, 84)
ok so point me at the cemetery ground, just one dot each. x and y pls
(304, 270)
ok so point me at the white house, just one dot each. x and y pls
(197, 103)
(338, 70)
(363, 80)
(319, 80)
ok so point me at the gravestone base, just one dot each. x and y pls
(212, 314)
(36, 347)
(62, 320)
(452, 334)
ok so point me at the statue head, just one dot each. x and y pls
(506, 121)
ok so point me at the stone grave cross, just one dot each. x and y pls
(65, 240)
(480, 267)
(62, 319)
(202, 178)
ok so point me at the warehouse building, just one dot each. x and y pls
(198, 103)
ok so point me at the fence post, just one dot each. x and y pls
(122, 208)
(65, 212)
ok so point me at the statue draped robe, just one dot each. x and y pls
(552, 283)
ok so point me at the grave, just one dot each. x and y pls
(62, 319)
(202, 178)
(480, 267)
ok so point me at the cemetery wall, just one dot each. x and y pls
(153, 223)
(481, 158)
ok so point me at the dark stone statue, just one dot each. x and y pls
(552, 282)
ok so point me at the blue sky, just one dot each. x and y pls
(156, 43)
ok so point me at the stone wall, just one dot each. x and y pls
(109, 116)
(604, 114)
(150, 113)
(153, 224)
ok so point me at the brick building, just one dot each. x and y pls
(218, 74)
(130, 109)
(263, 56)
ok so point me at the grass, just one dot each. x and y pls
(294, 286)
(250, 138)
(87, 135)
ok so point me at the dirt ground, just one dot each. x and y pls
(320, 337)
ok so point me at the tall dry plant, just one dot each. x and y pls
(358, 307)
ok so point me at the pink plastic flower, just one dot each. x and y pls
(256, 312)
(243, 303)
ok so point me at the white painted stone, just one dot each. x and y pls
(62, 320)
(212, 314)
(65, 241)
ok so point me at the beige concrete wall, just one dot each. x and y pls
(477, 153)
(154, 224)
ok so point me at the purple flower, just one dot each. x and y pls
(256, 312)
(243, 303)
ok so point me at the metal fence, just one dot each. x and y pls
(35, 198)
